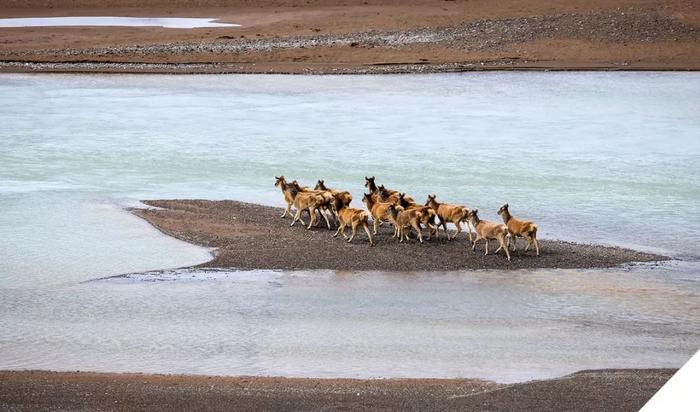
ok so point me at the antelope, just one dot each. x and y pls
(373, 189)
(379, 210)
(300, 187)
(286, 192)
(310, 201)
(489, 230)
(378, 193)
(450, 213)
(343, 196)
(520, 228)
(328, 196)
(348, 216)
(404, 220)
(428, 214)
(387, 196)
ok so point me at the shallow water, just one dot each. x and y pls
(167, 22)
(596, 157)
(506, 326)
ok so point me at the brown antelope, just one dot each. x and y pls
(300, 187)
(310, 201)
(379, 211)
(286, 192)
(373, 189)
(404, 220)
(428, 214)
(450, 213)
(489, 230)
(378, 193)
(328, 196)
(377, 196)
(344, 196)
(520, 228)
(348, 216)
(392, 196)
(388, 196)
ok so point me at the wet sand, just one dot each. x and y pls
(250, 236)
(376, 36)
(611, 390)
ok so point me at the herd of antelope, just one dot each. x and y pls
(404, 214)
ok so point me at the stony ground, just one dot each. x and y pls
(250, 236)
(610, 390)
(382, 36)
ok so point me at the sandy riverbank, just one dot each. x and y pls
(612, 390)
(250, 236)
(377, 36)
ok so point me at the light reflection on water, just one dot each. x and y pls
(507, 326)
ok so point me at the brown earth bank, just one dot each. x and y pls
(373, 36)
(250, 236)
(594, 390)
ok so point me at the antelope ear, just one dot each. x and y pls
(371, 178)
(475, 211)
(403, 194)
(277, 177)
(506, 205)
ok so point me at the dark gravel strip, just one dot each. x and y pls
(250, 236)
(609, 390)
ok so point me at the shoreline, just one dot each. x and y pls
(610, 389)
(98, 67)
(251, 236)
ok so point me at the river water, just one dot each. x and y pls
(608, 158)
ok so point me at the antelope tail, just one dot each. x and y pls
(364, 216)
(533, 229)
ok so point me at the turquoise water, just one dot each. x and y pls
(608, 158)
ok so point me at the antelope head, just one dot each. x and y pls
(369, 183)
(473, 217)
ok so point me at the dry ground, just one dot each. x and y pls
(373, 36)
(609, 390)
